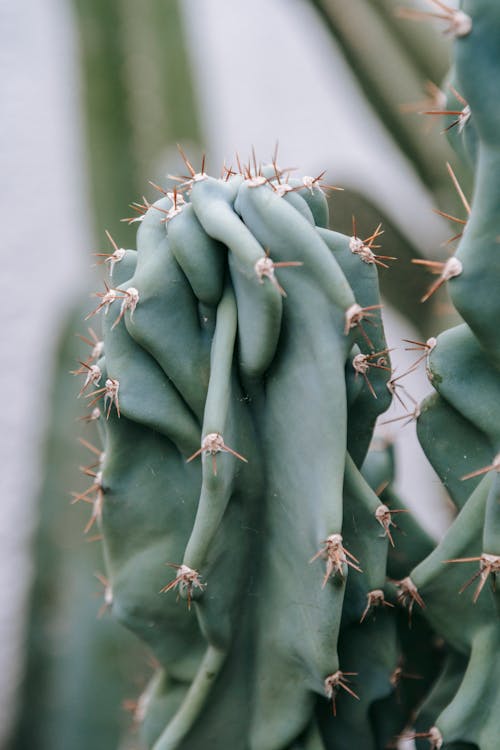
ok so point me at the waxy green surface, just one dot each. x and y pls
(213, 348)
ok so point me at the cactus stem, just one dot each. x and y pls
(264, 267)
(335, 681)
(494, 466)
(384, 517)
(448, 270)
(336, 557)
(186, 580)
(459, 23)
(488, 565)
(408, 595)
(375, 598)
(212, 444)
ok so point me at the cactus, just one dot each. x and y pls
(458, 425)
(249, 533)
(244, 368)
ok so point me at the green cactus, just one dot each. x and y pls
(458, 426)
(244, 368)
(245, 365)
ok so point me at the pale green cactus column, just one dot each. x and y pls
(244, 365)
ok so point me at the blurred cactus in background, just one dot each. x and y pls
(234, 391)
